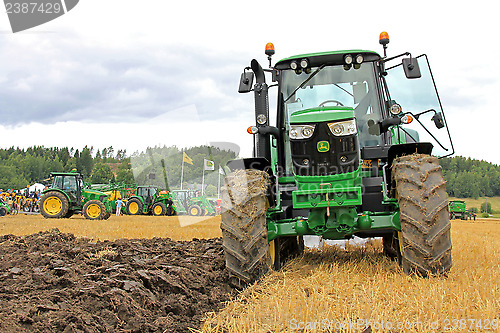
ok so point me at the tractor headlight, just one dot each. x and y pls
(395, 108)
(359, 58)
(261, 119)
(341, 128)
(301, 131)
(348, 59)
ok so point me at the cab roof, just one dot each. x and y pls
(327, 58)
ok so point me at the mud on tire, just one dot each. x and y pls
(244, 227)
(425, 241)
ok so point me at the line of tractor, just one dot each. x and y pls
(69, 194)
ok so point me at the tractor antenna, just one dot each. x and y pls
(384, 40)
(269, 52)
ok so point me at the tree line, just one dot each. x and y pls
(470, 178)
(20, 167)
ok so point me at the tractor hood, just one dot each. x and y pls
(321, 114)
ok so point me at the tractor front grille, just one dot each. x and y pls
(310, 157)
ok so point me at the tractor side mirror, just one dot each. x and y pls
(411, 68)
(246, 82)
(438, 120)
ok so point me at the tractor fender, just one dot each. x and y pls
(401, 150)
(408, 149)
(137, 197)
(56, 190)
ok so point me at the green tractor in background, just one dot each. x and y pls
(458, 210)
(350, 155)
(69, 195)
(190, 202)
(149, 200)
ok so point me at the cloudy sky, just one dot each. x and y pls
(131, 74)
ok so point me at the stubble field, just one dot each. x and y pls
(135, 283)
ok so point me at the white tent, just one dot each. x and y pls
(36, 187)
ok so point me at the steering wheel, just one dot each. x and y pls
(331, 101)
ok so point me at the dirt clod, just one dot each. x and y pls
(55, 282)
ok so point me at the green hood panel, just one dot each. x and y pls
(316, 115)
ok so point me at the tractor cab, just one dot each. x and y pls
(70, 183)
(148, 193)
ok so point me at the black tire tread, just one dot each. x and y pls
(425, 218)
(244, 227)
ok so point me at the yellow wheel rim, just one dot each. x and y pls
(52, 205)
(158, 210)
(133, 208)
(93, 211)
(272, 252)
(194, 211)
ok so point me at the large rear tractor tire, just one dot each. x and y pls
(424, 241)
(244, 228)
(94, 210)
(54, 205)
(134, 207)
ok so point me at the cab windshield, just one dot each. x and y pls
(332, 86)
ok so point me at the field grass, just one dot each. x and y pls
(345, 290)
(349, 291)
(126, 226)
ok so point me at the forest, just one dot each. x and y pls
(162, 166)
(470, 178)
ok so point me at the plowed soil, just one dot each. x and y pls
(56, 282)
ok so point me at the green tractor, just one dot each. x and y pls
(69, 195)
(458, 210)
(190, 202)
(149, 200)
(353, 153)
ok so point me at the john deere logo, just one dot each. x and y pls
(323, 146)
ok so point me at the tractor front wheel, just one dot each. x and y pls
(244, 227)
(159, 209)
(134, 207)
(94, 210)
(194, 210)
(424, 240)
(54, 205)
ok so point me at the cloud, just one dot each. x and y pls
(99, 84)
